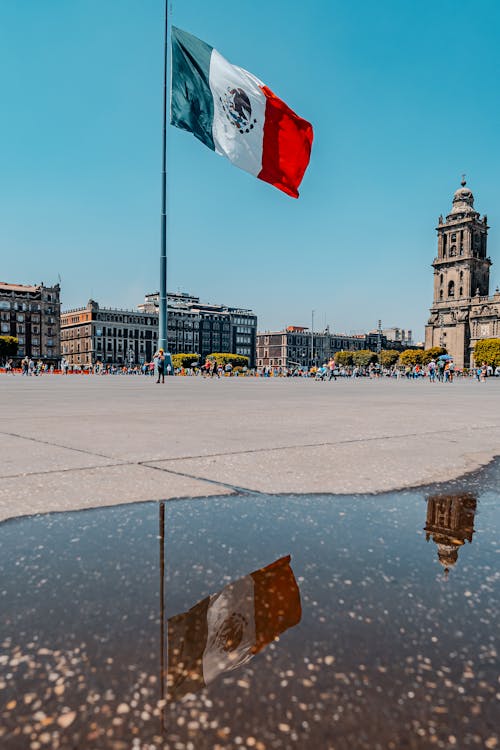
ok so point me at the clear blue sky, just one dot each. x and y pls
(403, 98)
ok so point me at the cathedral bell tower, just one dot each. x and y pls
(461, 273)
(462, 268)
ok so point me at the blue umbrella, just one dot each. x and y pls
(445, 356)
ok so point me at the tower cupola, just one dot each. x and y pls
(463, 200)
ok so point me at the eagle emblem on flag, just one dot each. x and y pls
(238, 109)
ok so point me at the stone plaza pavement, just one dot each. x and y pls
(77, 442)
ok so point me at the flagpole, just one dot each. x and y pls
(163, 327)
(162, 613)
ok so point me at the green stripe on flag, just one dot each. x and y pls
(192, 104)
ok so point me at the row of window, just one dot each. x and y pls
(244, 321)
(132, 319)
(24, 306)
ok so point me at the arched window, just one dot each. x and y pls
(451, 289)
(453, 250)
(440, 294)
(461, 275)
(441, 278)
(461, 292)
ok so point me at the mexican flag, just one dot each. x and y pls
(236, 115)
(225, 630)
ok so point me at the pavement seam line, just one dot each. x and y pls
(317, 445)
(55, 445)
(63, 470)
(233, 487)
(146, 462)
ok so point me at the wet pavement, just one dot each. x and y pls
(256, 621)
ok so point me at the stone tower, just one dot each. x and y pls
(461, 276)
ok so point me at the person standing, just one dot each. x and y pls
(440, 370)
(431, 367)
(159, 359)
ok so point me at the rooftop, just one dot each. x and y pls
(5, 287)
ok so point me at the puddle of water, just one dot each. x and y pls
(312, 622)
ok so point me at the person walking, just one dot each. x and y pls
(331, 369)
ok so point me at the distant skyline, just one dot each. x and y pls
(402, 98)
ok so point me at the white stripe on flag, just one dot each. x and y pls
(240, 139)
(231, 628)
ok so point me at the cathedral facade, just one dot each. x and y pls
(462, 311)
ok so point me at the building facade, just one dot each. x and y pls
(93, 334)
(32, 315)
(297, 346)
(217, 328)
(398, 336)
(462, 312)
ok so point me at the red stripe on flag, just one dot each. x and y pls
(287, 146)
(276, 602)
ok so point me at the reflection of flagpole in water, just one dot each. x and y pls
(162, 611)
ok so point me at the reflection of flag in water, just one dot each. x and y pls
(225, 630)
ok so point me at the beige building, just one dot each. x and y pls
(462, 311)
(94, 334)
(32, 315)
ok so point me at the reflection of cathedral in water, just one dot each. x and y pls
(450, 523)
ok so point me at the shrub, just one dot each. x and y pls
(184, 360)
(225, 358)
(411, 357)
(344, 359)
(432, 353)
(8, 346)
(364, 357)
(487, 350)
(389, 357)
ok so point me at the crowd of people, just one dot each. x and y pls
(441, 370)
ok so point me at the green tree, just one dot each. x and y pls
(487, 350)
(226, 358)
(411, 357)
(184, 359)
(432, 353)
(389, 357)
(8, 346)
(344, 359)
(364, 357)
